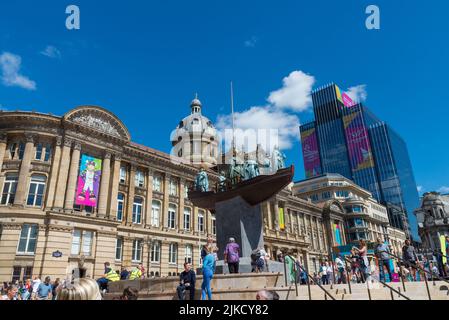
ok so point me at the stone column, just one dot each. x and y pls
(51, 190)
(276, 216)
(149, 198)
(104, 187)
(164, 213)
(290, 221)
(63, 174)
(112, 212)
(181, 205)
(3, 143)
(269, 215)
(73, 177)
(25, 166)
(131, 193)
(299, 223)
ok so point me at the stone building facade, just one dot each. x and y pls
(142, 213)
(364, 217)
(433, 219)
(303, 229)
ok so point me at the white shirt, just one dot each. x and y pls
(36, 284)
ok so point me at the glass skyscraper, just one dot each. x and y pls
(347, 138)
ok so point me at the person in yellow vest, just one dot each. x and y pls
(135, 274)
(109, 276)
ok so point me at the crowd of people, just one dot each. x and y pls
(357, 267)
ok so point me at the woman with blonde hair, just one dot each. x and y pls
(208, 271)
(364, 263)
(82, 289)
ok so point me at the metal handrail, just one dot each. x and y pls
(388, 286)
(383, 282)
(310, 277)
(416, 266)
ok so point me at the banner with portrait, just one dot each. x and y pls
(88, 181)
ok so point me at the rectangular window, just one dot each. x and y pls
(48, 151)
(36, 191)
(172, 217)
(201, 221)
(139, 179)
(156, 252)
(28, 238)
(137, 250)
(39, 148)
(9, 189)
(123, 175)
(155, 213)
(120, 206)
(12, 150)
(137, 210)
(16, 272)
(187, 214)
(173, 188)
(172, 253)
(214, 226)
(157, 183)
(21, 150)
(189, 251)
(82, 243)
(118, 249)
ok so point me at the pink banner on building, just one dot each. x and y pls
(359, 147)
(311, 154)
(88, 181)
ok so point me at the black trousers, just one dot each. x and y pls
(181, 289)
(233, 267)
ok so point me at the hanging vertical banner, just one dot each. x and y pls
(281, 219)
(337, 233)
(88, 181)
(311, 153)
(443, 248)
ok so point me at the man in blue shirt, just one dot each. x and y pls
(44, 290)
(382, 253)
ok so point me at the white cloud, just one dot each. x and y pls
(281, 129)
(251, 43)
(10, 65)
(51, 52)
(420, 189)
(443, 189)
(295, 93)
(358, 93)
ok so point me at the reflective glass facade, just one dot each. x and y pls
(353, 142)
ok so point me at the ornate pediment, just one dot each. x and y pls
(98, 119)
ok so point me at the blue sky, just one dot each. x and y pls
(144, 61)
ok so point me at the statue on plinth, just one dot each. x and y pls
(278, 159)
(202, 181)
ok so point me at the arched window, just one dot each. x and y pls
(36, 190)
(137, 210)
(9, 188)
(201, 221)
(120, 206)
(171, 216)
(187, 215)
(155, 213)
(173, 253)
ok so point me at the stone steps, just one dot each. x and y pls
(246, 286)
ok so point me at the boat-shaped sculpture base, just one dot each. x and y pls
(238, 212)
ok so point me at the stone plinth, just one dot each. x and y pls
(237, 219)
